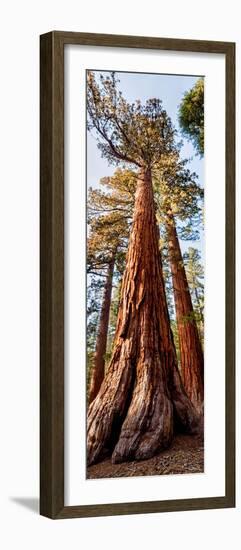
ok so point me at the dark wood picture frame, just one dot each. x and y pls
(52, 274)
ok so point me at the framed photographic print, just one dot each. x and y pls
(137, 389)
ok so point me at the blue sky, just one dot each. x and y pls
(170, 89)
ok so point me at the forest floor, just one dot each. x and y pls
(184, 456)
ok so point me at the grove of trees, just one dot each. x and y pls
(145, 299)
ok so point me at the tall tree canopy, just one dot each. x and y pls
(133, 133)
(191, 115)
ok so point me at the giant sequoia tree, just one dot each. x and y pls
(142, 398)
(179, 198)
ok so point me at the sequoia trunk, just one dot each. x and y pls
(191, 353)
(98, 369)
(142, 394)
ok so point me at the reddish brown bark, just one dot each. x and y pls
(98, 369)
(142, 394)
(191, 353)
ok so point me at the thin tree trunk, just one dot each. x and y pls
(98, 369)
(200, 311)
(191, 353)
(142, 394)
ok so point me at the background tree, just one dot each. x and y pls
(98, 357)
(141, 394)
(195, 276)
(191, 115)
(115, 302)
(179, 198)
(109, 215)
(94, 295)
(169, 294)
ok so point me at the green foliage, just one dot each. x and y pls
(191, 115)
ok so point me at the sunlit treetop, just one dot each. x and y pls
(115, 194)
(134, 133)
(177, 192)
(110, 211)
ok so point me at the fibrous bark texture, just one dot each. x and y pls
(191, 353)
(98, 369)
(142, 395)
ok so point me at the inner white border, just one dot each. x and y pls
(78, 490)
